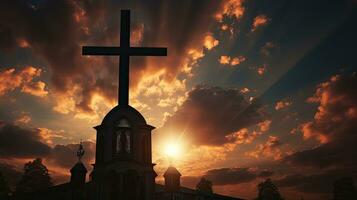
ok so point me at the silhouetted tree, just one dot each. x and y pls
(4, 187)
(204, 186)
(35, 177)
(268, 191)
(344, 188)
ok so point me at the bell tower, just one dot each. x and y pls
(123, 167)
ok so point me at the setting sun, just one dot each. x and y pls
(172, 150)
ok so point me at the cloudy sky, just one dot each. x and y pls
(249, 90)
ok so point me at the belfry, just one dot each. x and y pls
(123, 167)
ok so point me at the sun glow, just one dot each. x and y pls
(172, 150)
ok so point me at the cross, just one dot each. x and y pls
(124, 51)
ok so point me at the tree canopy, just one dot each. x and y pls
(268, 191)
(35, 177)
(4, 187)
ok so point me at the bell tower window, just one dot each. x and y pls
(123, 137)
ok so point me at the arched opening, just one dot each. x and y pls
(123, 143)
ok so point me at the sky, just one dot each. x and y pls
(249, 90)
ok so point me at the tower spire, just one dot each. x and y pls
(80, 151)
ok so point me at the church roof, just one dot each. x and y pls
(184, 190)
(78, 167)
(125, 111)
(172, 171)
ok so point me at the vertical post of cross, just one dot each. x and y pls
(123, 89)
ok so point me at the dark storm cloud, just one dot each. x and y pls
(211, 113)
(230, 176)
(56, 30)
(21, 143)
(50, 30)
(314, 183)
(334, 125)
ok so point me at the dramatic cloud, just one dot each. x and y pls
(60, 158)
(282, 104)
(245, 90)
(259, 21)
(268, 149)
(210, 41)
(262, 70)
(314, 183)
(226, 27)
(11, 79)
(36, 89)
(230, 8)
(12, 143)
(230, 176)
(334, 125)
(226, 60)
(209, 114)
(265, 125)
(56, 30)
(24, 118)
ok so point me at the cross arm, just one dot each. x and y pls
(148, 51)
(105, 51)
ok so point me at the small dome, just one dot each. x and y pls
(172, 171)
(78, 167)
(118, 113)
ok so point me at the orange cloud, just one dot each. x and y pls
(265, 125)
(237, 60)
(269, 149)
(230, 8)
(245, 90)
(35, 89)
(210, 41)
(226, 60)
(137, 35)
(22, 43)
(243, 136)
(282, 104)
(24, 118)
(336, 113)
(10, 80)
(262, 70)
(226, 27)
(259, 21)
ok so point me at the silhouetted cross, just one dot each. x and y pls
(124, 51)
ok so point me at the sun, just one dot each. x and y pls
(172, 150)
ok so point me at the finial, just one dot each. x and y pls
(80, 151)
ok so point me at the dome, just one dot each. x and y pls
(172, 171)
(78, 167)
(127, 112)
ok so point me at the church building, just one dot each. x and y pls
(123, 168)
